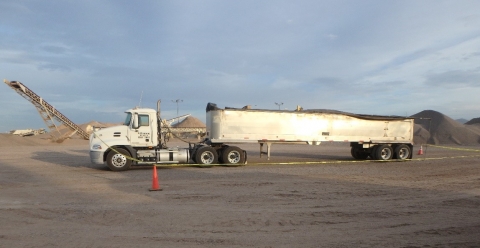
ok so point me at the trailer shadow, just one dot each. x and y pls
(294, 156)
(300, 153)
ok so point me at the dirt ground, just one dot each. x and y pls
(52, 196)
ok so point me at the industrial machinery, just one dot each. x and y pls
(51, 116)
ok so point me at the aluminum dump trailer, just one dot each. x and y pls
(370, 136)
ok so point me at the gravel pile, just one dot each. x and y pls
(437, 128)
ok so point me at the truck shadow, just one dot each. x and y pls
(77, 158)
(70, 158)
(81, 158)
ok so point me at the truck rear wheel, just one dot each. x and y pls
(118, 161)
(403, 152)
(383, 152)
(358, 153)
(233, 155)
(206, 155)
(373, 152)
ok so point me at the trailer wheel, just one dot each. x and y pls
(358, 153)
(233, 155)
(206, 155)
(403, 152)
(118, 161)
(384, 152)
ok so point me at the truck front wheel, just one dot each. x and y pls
(117, 160)
(206, 155)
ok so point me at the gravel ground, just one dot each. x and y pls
(52, 196)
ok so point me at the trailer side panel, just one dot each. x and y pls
(240, 126)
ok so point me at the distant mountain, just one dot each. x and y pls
(473, 121)
(436, 128)
(462, 120)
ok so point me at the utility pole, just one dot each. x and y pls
(177, 101)
(279, 104)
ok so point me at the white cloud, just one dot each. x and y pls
(332, 36)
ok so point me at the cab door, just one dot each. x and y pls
(141, 130)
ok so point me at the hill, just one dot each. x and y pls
(473, 121)
(436, 128)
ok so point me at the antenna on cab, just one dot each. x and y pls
(140, 102)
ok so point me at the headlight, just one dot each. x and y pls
(97, 147)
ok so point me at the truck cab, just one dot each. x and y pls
(142, 127)
(136, 141)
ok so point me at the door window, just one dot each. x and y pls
(143, 121)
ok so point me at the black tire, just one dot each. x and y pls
(192, 155)
(373, 151)
(233, 155)
(383, 152)
(206, 155)
(403, 152)
(357, 153)
(118, 160)
(220, 152)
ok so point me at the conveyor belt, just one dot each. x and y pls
(47, 111)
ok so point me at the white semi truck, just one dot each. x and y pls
(140, 140)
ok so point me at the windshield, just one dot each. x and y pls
(128, 119)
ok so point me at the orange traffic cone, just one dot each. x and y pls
(155, 185)
(420, 152)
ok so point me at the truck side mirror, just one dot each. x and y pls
(135, 121)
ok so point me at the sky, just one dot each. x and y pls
(93, 59)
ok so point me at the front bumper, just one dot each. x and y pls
(96, 157)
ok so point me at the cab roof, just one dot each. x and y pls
(140, 110)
